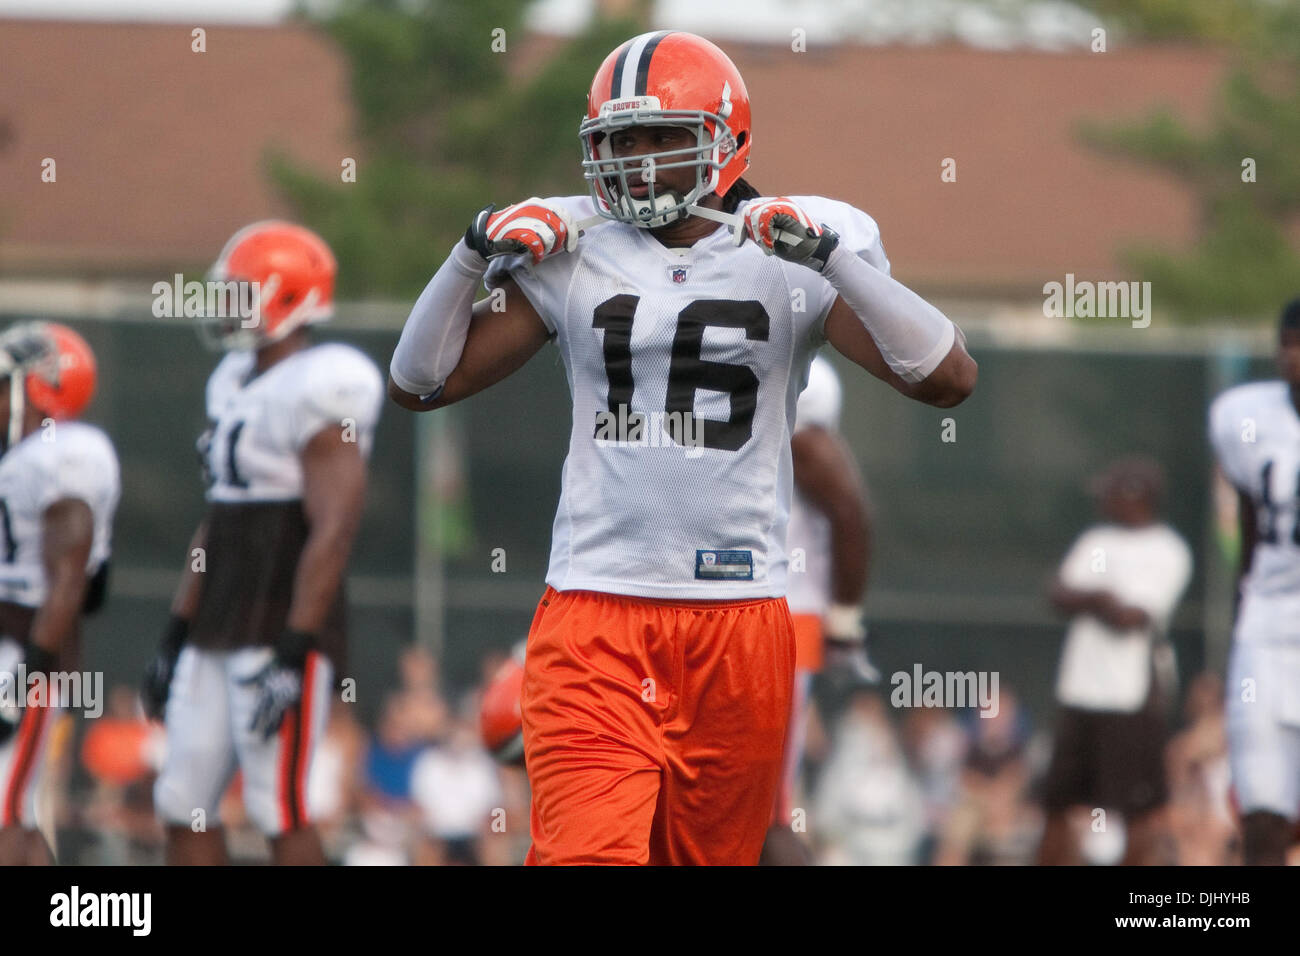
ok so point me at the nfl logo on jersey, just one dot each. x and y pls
(679, 274)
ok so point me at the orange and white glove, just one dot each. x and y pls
(784, 230)
(529, 228)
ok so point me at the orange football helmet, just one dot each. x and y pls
(293, 270)
(500, 718)
(667, 78)
(49, 366)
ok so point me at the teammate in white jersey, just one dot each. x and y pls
(660, 661)
(59, 488)
(245, 670)
(1255, 431)
(829, 543)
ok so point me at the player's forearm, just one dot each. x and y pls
(914, 338)
(56, 620)
(186, 599)
(67, 533)
(320, 573)
(434, 335)
(1101, 604)
(1074, 601)
(850, 553)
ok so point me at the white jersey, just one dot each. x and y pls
(1149, 568)
(710, 343)
(63, 460)
(260, 426)
(809, 537)
(1255, 431)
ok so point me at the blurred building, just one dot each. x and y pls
(161, 152)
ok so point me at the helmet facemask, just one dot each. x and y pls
(27, 352)
(271, 278)
(610, 179)
(226, 329)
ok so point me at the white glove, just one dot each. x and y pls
(846, 643)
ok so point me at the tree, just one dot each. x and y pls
(444, 129)
(1242, 166)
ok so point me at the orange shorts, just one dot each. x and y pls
(653, 731)
(809, 648)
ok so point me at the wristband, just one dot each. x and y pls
(843, 623)
(818, 257)
(40, 661)
(293, 647)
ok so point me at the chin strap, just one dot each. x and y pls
(733, 220)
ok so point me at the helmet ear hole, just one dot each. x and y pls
(740, 138)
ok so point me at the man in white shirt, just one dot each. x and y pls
(1120, 584)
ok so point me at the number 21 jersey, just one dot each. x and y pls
(260, 424)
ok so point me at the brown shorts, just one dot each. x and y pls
(1108, 759)
(252, 559)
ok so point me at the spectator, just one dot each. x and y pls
(1119, 584)
(334, 781)
(936, 747)
(1200, 813)
(994, 822)
(869, 811)
(457, 789)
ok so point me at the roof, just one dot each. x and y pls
(161, 151)
(872, 126)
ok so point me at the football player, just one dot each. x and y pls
(1255, 431)
(244, 672)
(660, 664)
(59, 488)
(829, 543)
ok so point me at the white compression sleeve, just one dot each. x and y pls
(912, 335)
(434, 335)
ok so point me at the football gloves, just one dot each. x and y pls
(782, 229)
(156, 684)
(846, 644)
(527, 228)
(279, 682)
(23, 347)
